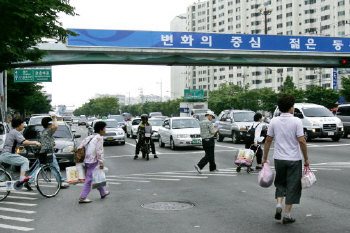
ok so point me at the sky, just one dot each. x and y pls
(74, 85)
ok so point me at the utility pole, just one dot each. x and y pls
(265, 12)
(161, 90)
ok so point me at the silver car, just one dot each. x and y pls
(156, 123)
(180, 132)
(114, 133)
(132, 127)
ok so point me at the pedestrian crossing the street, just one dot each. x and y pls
(17, 212)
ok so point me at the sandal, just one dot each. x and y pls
(83, 201)
(107, 193)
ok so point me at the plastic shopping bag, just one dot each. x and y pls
(98, 178)
(75, 173)
(308, 178)
(266, 176)
(245, 157)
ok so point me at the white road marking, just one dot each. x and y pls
(337, 145)
(137, 181)
(207, 174)
(130, 144)
(24, 193)
(17, 210)
(113, 183)
(23, 198)
(146, 178)
(16, 219)
(231, 147)
(17, 203)
(16, 228)
(177, 176)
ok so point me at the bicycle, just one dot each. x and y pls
(47, 178)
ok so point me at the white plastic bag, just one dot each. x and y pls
(266, 176)
(308, 178)
(99, 178)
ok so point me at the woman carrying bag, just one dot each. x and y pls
(94, 156)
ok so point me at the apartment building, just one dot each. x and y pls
(284, 17)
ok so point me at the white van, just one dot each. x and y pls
(318, 121)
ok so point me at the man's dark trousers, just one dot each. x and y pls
(208, 146)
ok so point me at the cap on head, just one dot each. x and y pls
(211, 113)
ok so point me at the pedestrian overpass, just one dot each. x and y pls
(194, 49)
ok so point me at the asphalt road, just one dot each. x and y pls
(224, 202)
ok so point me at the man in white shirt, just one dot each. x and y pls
(290, 145)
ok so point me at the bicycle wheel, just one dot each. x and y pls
(4, 176)
(48, 181)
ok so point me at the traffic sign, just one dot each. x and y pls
(194, 94)
(33, 75)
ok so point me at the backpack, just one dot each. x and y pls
(250, 135)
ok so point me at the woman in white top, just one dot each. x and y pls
(254, 143)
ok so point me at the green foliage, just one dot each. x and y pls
(345, 92)
(288, 87)
(25, 23)
(322, 96)
(100, 106)
(26, 98)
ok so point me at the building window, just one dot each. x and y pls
(279, 16)
(290, 23)
(255, 6)
(325, 17)
(310, 20)
(230, 76)
(311, 77)
(310, 11)
(310, 30)
(341, 13)
(290, 69)
(326, 85)
(279, 8)
(255, 14)
(325, 8)
(325, 27)
(290, 32)
(289, 5)
(280, 70)
(289, 14)
(341, 3)
(308, 2)
(268, 80)
(256, 73)
(325, 76)
(257, 81)
(238, 25)
(280, 25)
(341, 23)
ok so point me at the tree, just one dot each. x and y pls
(100, 106)
(322, 96)
(26, 98)
(345, 91)
(288, 87)
(25, 24)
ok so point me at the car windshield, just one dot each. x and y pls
(344, 111)
(136, 122)
(117, 118)
(317, 112)
(185, 123)
(156, 122)
(2, 129)
(200, 110)
(59, 118)
(112, 124)
(243, 116)
(35, 121)
(34, 132)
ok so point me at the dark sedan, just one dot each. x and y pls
(65, 144)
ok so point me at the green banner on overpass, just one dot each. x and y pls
(32, 75)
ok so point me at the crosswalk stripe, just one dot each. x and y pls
(16, 219)
(16, 228)
(17, 203)
(17, 210)
(177, 176)
(146, 178)
(136, 181)
(20, 197)
(211, 174)
(24, 193)
(113, 183)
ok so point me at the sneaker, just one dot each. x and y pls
(198, 169)
(84, 201)
(288, 220)
(278, 214)
(28, 186)
(64, 185)
(107, 193)
(24, 179)
(155, 156)
(136, 157)
(215, 170)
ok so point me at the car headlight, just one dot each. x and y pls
(68, 149)
(120, 133)
(315, 124)
(182, 136)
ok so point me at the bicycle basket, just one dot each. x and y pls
(44, 157)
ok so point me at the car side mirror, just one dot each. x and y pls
(77, 136)
(167, 126)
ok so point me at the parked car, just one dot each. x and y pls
(120, 119)
(68, 120)
(199, 111)
(75, 120)
(36, 120)
(4, 130)
(180, 132)
(89, 121)
(318, 121)
(155, 114)
(235, 124)
(156, 123)
(343, 113)
(65, 144)
(114, 133)
(127, 116)
(132, 127)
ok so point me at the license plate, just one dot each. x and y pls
(110, 139)
(196, 141)
(331, 133)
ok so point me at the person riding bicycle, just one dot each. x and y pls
(9, 155)
(48, 142)
(140, 132)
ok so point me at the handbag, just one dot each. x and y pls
(79, 154)
(308, 178)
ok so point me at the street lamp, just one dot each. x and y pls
(265, 12)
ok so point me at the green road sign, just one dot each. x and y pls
(32, 75)
(194, 94)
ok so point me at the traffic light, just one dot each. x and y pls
(345, 62)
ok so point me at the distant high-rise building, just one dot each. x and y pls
(285, 17)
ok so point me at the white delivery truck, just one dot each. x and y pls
(189, 108)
